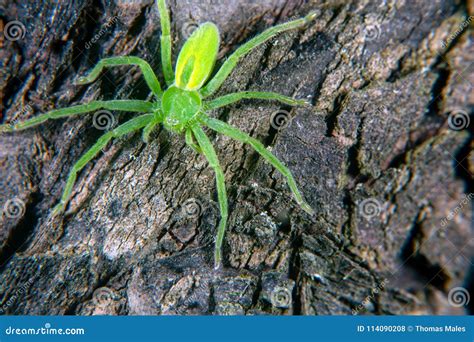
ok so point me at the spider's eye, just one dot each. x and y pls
(197, 57)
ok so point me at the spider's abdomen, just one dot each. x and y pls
(179, 107)
(197, 57)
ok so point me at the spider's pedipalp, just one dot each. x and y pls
(211, 156)
(228, 130)
(148, 74)
(148, 129)
(190, 141)
(137, 106)
(127, 127)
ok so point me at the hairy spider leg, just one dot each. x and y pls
(148, 74)
(190, 141)
(214, 84)
(226, 129)
(128, 127)
(235, 97)
(210, 154)
(148, 129)
(123, 105)
(165, 42)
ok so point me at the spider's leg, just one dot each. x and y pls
(148, 129)
(226, 129)
(148, 74)
(191, 143)
(231, 98)
(128, 127)
(231, 62)
(124, 105)
(165, 42)
(210, 154)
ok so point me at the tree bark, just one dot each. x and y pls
(374, 155)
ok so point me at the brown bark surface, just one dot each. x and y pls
(374, 156)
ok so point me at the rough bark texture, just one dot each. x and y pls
(382, 83)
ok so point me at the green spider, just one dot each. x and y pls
(182, 106)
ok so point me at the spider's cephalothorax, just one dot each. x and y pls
(182, 107)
